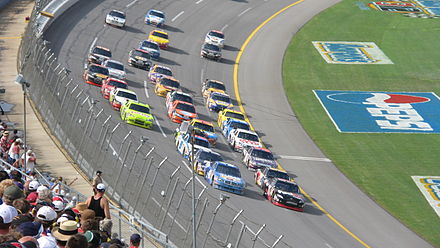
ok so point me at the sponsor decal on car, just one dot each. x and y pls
(382, 112)
(430, 188)
(347, 52)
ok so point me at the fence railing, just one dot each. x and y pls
(144, 182)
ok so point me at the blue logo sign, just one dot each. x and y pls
(382, 112)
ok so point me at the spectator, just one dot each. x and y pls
(90, 225)
(98, 203)
(33, 229)
(46, 216)
(4, 143)
(14, 151)
(4, 184)
(44, 196)
(77, 241)
(32, 191)
(97, 179)
(30, 158)
(3, 175)
(29, 242)
(7, 214)
(135, 240)
(17, 178)
(58, 206)
(12, 193)
(63, 233)
(22, 206)
(93, 239)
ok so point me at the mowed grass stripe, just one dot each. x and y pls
(380, 164)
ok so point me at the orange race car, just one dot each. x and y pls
(181, 111)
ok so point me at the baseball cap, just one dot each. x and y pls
(33, 185)
(58, 206)
(13, 192)
(93, 237)
(100, 187)
(135, 238)
(46, 213)
(30, 229)
(7, 213)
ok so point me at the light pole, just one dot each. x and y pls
(21, 81)
(193, 190)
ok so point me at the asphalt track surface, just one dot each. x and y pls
(362, 223)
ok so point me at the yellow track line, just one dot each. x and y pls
(237, 95)
(10, 38)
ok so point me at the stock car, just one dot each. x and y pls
(166, 84)
(211, 51)
(111, 83)
(181, 111)
(258, 157)
(95, 74)
(204, 158)
(115, 69)
(217, 101)
(158, 71)
(210, 86)
(160, 37)
(284, 193)
(228, 114)
(138, 114)
(184, 144)
(240, 138)
(115, 18)
(225, 177)
(177, 96)
(155, 17)
(231, 124)
(151, 47)
(263, 175)
(98, 54)
(119, 97)
(140, 58)
(215, 37)
(206, 128)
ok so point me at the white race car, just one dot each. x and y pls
(115, 69)
(215, 37)
(241, 138)
(115, 18)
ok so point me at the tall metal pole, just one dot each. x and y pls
(194, 234)
(24, 124)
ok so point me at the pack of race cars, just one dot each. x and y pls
(194, 138)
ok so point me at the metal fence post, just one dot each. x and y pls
(102, 128)
(122, 166)
(240, 234)
(117, 158)
(169, 203)
(152, 183)
(232, 225)
(85, 132)
(94, 122)
(222, 200)
(131, 166)
(254, 239)
(276, 241)
(166, 190)
(111, 135)
(180, 202)
(142, 184)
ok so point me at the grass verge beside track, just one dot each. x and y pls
(380, 164)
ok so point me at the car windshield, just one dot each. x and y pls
(186, 107)
(222, 98)
(240, 125)
(163, 71)
(228, 170)
(103, 52)
(210, 156)
(117, 14)
(158, 14)
(98, 69)
(204, 127)
(140, 108)
(161, 35)
(149, 44)
(216, 85)
(201, 142)
(170, 82)
(234, 115)
(128, 95)
(248, 136)
(286, 186)
(262, 154)
(217, 34)
(117, 84)
(277, 174)
(141, 54)
(212, 47)
(115, 65)
(183, 98)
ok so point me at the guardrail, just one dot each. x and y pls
(148, 186)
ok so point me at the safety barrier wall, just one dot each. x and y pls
(139, 177)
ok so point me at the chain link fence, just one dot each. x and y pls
(139, 177)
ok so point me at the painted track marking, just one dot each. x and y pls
(169, 215)
(177, 16)
(237, 95)
(303, 158)
(199, 1)
(93, 43)
(189, 169)
(160, 128)
(224, 27)
(146, 89)
(244, 11)
(11, 38)
(128, 5)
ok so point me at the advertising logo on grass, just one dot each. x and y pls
(382, 112)
(415, 8)
(345, 52)
(430, 188)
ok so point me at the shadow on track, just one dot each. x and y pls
(173, 29)
(133, 30)
(231, 48)
(168, 61)
(176, 50)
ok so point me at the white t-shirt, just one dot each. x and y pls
(30, 163)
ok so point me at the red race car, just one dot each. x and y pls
(109, 84)
(181, 111)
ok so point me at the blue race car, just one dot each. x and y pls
(231, 124)
(225, 177)
(155, 17)
(184, 144)
(204, 158)
(151, 47)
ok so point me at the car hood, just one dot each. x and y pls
(116, 72)
(186, 113)
(117, 19)
(159, 40)
(121, 99)
(230, 178)
(147, 116)
(295, 195)
(155, 18)
(265, 162)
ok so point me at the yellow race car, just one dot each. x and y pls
(229, 113)
(210, 86)
(160, 37)
(166, 84)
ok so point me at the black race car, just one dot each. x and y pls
(139, 58)
(98, 54)
(284, 193)
(211, 51)
(263, 175)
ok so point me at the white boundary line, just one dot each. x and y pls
(93, 43)
(128, 5)
(177, 16)
(199, 1)
(244, 11)
(189, 169)
(146, 89)
(160, 128)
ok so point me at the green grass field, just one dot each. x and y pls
(380, 164)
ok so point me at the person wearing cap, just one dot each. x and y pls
(58, 206)
(44, 195)
(7, 214)
(4, 143)
(97, 179)
(31, 190)
(46, 216)
(12, 193)
(99, 203)
(30, 158)
(135, 240)
(33, 229)
(64, 232)
(93, 238)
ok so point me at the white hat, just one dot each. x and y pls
(7, 213)
(58, 206)
(100, 187)
(33, 185)
(47, 242)
(19, 140)
(46, 213)
(41, 188)
(62, 219)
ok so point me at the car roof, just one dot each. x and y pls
(219, 93)
(202, 121)
(226, 164)
(125, 90)
(231, 110)
(220, 32)
(170, 77)
(155, 10)
(246, 131)
(182, 93)
(97, 65)
(178, 101)
(210, 151)
(118, 11)
(201, 138)
(284, 180)
(139, 103)
(103, 48)
(117, 80)
(262, 149)
(162, 66)
(141, 50)
(113, 61)
(237, 120)
(148, 40)
(213, 80)
(159, 31)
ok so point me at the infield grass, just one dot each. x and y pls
(380, 164)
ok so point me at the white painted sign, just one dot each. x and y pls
(430, 188)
